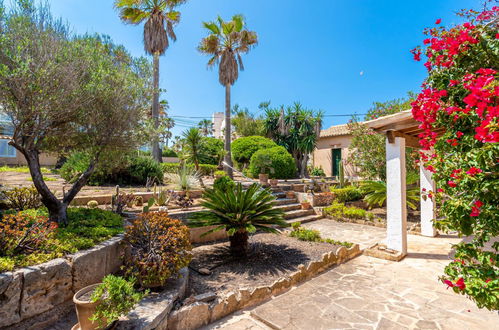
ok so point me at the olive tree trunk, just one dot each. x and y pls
(228, 133)
(156, 150)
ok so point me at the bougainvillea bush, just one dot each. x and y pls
(458, 108)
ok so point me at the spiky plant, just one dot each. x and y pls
(226, 42)
(185, 179)
(160, 17)
(376, 192)
(240, 212)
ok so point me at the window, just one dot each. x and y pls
(6, 150)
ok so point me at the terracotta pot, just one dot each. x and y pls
(264, 178)
(274, 182)
(290, 194)
(85, 309)
(306, 205)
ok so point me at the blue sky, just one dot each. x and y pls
(312, 51)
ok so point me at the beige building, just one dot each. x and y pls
(332, 149)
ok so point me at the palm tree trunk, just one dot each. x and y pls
(228, 133)
(156, 151)
(239, 244)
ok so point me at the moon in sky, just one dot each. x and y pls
(361, 73)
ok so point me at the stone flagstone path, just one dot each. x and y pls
(370, 293)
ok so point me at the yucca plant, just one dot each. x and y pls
(240, 212)
(185, 179)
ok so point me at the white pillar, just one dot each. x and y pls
(396, 215)
(428, 213)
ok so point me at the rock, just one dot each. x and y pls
(313, 268)
(46, 286)
(206, 297)
(332, 258)
(341, 253)
(10, 295)
(243, 297)
(190, 317)
(280, 286)
(204, 271)
(224, 307)
(259, 294)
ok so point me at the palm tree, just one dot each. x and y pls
(240, 212)
(160, 18)
(226, 42)
(206, 127)
(193, 144)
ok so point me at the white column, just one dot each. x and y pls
(428, 213)
(396, 217)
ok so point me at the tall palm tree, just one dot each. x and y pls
(206, 127)
(160, 18)
(226, 42)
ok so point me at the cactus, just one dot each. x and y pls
(341, 175)
(92, 204)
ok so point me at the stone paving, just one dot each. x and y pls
(370, 293)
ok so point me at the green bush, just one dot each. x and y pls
(204, 169)
(243, 148)
(317, 171)
(276, 161)
(167, 152)
(347, 194)
(22, 198)
(129, 170)
(212, 151)
(339, 210)
(309, 235)
(224, 184)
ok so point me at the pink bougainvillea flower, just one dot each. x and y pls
(459, 134)
(451, 184)
(449, 283)
(475, 211)
(478, 203)
(438, 21)
(460, 284)
(473, 171)
(440, 190)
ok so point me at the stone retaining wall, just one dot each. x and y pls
(30, 291)
(106, 199)
(413, 228)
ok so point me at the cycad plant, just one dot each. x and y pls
(159, 17)
(376, 192)
(240, 212)
(225, 44)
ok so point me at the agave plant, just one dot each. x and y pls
(185, 179)
(376, 192)
(240, 212)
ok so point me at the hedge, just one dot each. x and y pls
(347, 194)
(278, 158)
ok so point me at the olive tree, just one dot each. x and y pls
(66, 92)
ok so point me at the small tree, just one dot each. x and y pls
(240, 212)
(66, 93)
(296, 129)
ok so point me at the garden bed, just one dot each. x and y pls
(275, 264)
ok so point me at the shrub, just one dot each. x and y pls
(317, 171)
(24, 234)
(219, 173)
(347, 194)
(244, 148)
(167, 152)
(22, 198)
(339, 210)
(170, 167)
(212, 151)
(159, 248)
(309, 235)
(335, 210)
(354, 213)
(240, 212)
(204, 169)
(116, 297)
(129, 170)
(224, 184)
(92, 204)
(276, 161)
(207, 169)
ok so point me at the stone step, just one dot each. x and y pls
(279, 195)
(285, 201)
(305, 219)
(288, 207)
(298, 213)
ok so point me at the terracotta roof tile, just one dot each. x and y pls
(337, 130)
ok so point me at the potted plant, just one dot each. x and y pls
(305, 204)
(100, 305)
(265, 169)
(290, 194)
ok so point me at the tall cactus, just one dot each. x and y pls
(341, 175)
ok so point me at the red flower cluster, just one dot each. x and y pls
(473, 171)
(458, 284)
(475, 210)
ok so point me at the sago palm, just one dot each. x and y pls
(160, 17)
(225, 44)
(240, 212)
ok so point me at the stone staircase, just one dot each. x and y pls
(292, 208)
